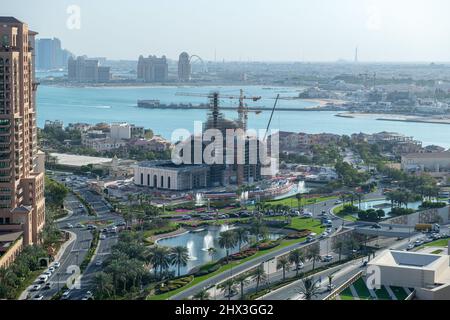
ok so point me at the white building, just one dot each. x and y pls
(428, 274)
(120, 131)
(431, 162)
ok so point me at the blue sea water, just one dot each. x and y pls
(113, 104)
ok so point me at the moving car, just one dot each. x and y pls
(36, 287)
(327, 258)
(39, 297)
(65, 295)
(69, 226)
(56, 264)
(376, 226)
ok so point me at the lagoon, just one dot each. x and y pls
(117, 104)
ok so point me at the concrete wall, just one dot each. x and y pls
(440, 293)
(404, 277)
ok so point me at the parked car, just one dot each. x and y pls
(102, 237)
(51, 269)
(234, 215)
(79, 225)
(186, 217)
(47, 286)
(300, 266)
(327, 258)
(410, 247)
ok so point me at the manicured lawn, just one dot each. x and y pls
(439, 251)
(292, 201)
(338, 211)
(347, 294)
(298, 223)
(400, 293)
(438, 243)
(362, 290)
(383, 294)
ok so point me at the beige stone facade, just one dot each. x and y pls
(22, 203)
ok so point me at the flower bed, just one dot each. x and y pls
(298, 235)
(244, 254)
(172, 285)
(267, 245)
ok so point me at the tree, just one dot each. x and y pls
(179, 257)
(242, 236)
(313, 254)
(283, 263)
(227, 287)
(202, 295)
(296, 257)
(299, 198)
(259, 275)
(103, 284)
(160, 258)
(338, 245)
(227, 241)
(242, 280)
(309, 288)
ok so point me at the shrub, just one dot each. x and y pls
(172, 285)
(432, 205)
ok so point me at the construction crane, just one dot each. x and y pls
(215, 96)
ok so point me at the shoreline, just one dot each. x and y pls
(394, 118)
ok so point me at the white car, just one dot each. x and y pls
(69, 226)
(39, 297)
(36, 287)
(410, 247)
(65, 295)
(99, 263)
(56, 264)
(327, 258)
(300, 266)
(51, 269)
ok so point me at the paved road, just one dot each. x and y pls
(76, 251)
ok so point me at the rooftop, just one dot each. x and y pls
(9, 20)
(169, 165)
(409, 260)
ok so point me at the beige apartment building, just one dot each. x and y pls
(22, 203)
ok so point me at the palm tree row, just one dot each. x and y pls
(162, 258)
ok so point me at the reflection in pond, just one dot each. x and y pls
(199, 244)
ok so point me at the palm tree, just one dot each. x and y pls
(309, 288)
(160, 258)
(283, 263)
(242, 280)
(227, 287)
(296, 257)
(338, 245)
(313, 253)
(360, 198)
(227, 241)
(103, 284)
(299, 198)
(202, 295)
(179, 257)
(259, 275)
(242, 236)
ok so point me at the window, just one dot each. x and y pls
(168, 182)
(162, 182)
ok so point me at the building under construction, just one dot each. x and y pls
(245, 149)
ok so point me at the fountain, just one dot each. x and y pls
(199, 200)
(208, 242)
(301, 187)
(191, 250)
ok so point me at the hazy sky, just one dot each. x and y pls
(271, 30)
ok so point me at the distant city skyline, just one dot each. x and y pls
(290, 30)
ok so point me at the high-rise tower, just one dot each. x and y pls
(22, 203)
(184, 67)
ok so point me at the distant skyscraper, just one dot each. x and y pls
(152, 69)
(184, 67)
(50, 55)
(356, 55)
(22, 203)
(83, 69)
